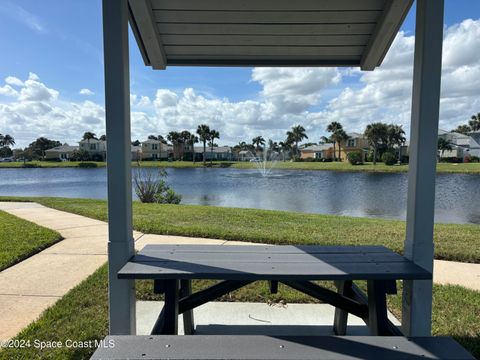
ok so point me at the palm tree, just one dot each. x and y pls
(376, 134)
(6, 140)
(175, 138)
(191, 140)
(152, 137)
(283, 146)
(475, 122)
(463, 129)
(89, 136)
(297, 134)
(340, 136)
(203, 132)
(258, 142)
(334, 127)
(103, 138)
(442, 145)
(214, 134)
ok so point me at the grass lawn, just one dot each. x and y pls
(470, 168)
(20, 239)
(82, 318)
(452, 241)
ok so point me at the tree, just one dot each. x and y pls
(89, 136)
(475, 122)
(214, 134)
(333, 128)
(395, 136)
(152, 137)
(136, 143)
(283, 147)
(191, 140)
(338, 137)
(175, 138)
(297, 134)
(103, 138)
(6, 140)
(443, 145)
(203, 132)
(463, 129)
(376, 134)
(258, 142)
(37, 148)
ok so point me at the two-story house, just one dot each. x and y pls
(154, 150)
(355, 142)
(97, 149)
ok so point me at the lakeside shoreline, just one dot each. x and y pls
(447, 168)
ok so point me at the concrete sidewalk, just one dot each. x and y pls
(36, 283)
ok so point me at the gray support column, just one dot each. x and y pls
(117, 107)
(417, 295)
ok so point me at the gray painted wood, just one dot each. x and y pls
(267, 29)
(385, 32)
(266, 5)
(267, 249)
(147, 29)
(417, 296)
(119, 182)
(266, 17)
(270, 50)
(216, 347)
(284, 40)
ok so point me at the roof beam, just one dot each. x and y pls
(146, 27)
(385, 32)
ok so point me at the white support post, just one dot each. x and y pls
(417, 295)
(117, 108)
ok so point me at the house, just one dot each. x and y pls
(322, 151)
(219, 153)
(63, 152)
(136, 152)
(474, 143)
(356, 142)
(460, 144)
(154, 150)
(97, 149)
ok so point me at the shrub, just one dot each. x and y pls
(474, 159)
(87, 165)
(355, 158)
(388, 158)
(151, 187)
(80, 155)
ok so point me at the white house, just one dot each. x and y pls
(97, 149)
(63, 152)
(474, 148)
(463, 145)
(154, 150)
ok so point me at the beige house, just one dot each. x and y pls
(97, 149)
(154, 150)
(322, 151)
(355, 142)
(62, 153)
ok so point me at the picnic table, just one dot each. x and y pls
(173, 267)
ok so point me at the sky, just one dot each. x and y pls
(51, 82)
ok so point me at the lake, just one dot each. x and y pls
(323, 192)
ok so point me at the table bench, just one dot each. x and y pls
(203, 347)
(173, 267)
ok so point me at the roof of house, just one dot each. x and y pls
(216, 149)
(63, 148)
(355, 135)
(92, 141)
(151, 141)
(266, 32)
(314, 148)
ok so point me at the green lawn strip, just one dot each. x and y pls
(452, 241)
(20, 239)
(465, 168)
(81, 315)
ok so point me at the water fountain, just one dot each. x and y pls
(266, 163)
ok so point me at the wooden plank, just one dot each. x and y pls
(276, 271)
(247, 347)
(385, 32)
(286, 40)
(263, 50)
(141, 14)
(266, 5)
(270, 249)
(267, 29)
(266, 17)
(270, 258)
(259, 61)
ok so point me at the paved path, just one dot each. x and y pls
(36, 283)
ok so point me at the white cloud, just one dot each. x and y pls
(7, 90)
(86, 92)
(12, 80)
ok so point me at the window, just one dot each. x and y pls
(93, 146)
(351, 143)
(154, 146)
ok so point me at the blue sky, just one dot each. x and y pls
(61, 42)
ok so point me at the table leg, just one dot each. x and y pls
(344, 287)
(377, 308)
(170, 313)
(188, 322)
